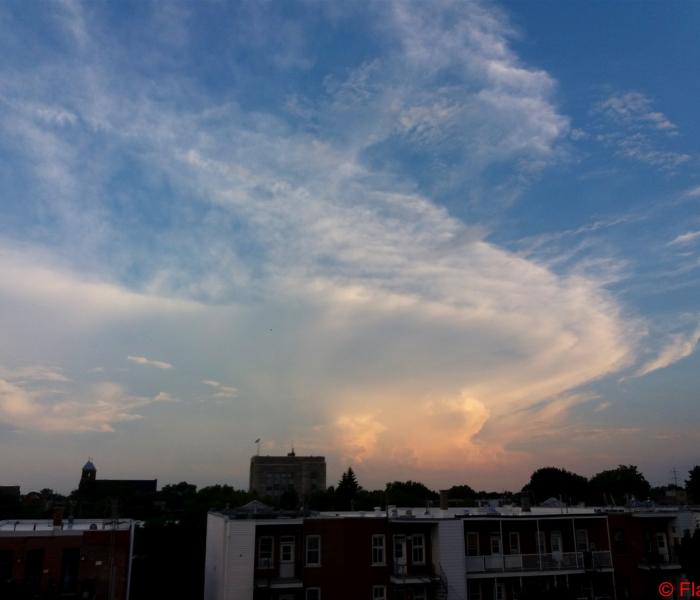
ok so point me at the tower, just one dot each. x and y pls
(88, 475)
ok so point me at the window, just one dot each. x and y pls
(472, 543)
(265, 553)
(313, 550)
(378, 549)
(474, 588)
(379, 592)
(400, 549)
(420, 594)
(313, 593)
(6, 559)
(581, 540)
(418, 549)
(555, 541)
(514, 542)
(541, 542)
(496, 544)
(500, 591)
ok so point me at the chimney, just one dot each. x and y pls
(58, 518)
(444, 502)
(525, 503)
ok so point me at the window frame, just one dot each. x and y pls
(514, 548)
(375, 589)
(271, 559)
(312, 589)
(475, 535)
(496, 537)
(579, 547)
(421, 546)
(382, 538)
(307, 562)
(420, 593)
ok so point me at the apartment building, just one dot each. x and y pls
(645, 545)
(272, 476)
(82, 558)
(339, 556)
(543, 553)
(486, 553)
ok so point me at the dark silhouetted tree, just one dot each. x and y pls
(692, 484)
(347, 490)
(409, 493)
(461, 495)
(552, 482)
(619, 485)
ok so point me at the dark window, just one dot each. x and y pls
(33, 567)
(70, 563)
(619, 540)
(6, 557)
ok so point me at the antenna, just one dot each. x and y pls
(674, 472)
(257, 443)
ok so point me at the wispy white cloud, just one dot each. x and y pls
(677, 348)
(99, 408)
(368, 276)
(638, 132)
(693, 192)
(220, 390)
(147, 362)
(685, 238)
(40, 373)
(636, 109)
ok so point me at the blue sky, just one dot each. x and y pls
(448, 242)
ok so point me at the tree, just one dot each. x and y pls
(178, 496)
(347, 490)
(552, 482)
(409, 493)
(461, 495)
(618, 485)
(692, 484)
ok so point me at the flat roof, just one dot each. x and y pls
(46, 525)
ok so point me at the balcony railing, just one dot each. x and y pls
(561, 561)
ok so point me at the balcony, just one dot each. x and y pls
(561, 561)
(654, 561)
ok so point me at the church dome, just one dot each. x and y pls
(89, 466)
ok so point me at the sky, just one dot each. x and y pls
(448, 241)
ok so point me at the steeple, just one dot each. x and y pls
(89, 473)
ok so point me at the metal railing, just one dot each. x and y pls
(557, 561)
(525, 562)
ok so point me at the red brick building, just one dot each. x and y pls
(87, 559)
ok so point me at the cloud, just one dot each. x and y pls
(693, 192)
(388, 313)
(220, 390)
(638, 132)
(635, 108)
(147, 362)
(685, 238)
(38, 373)
(678, 347)
(99, 408)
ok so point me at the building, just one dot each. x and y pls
(277, 556)
(410, 554)
(111, 497)
(542, 553)
(645, 545)
(65, 559)
(272, 476)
